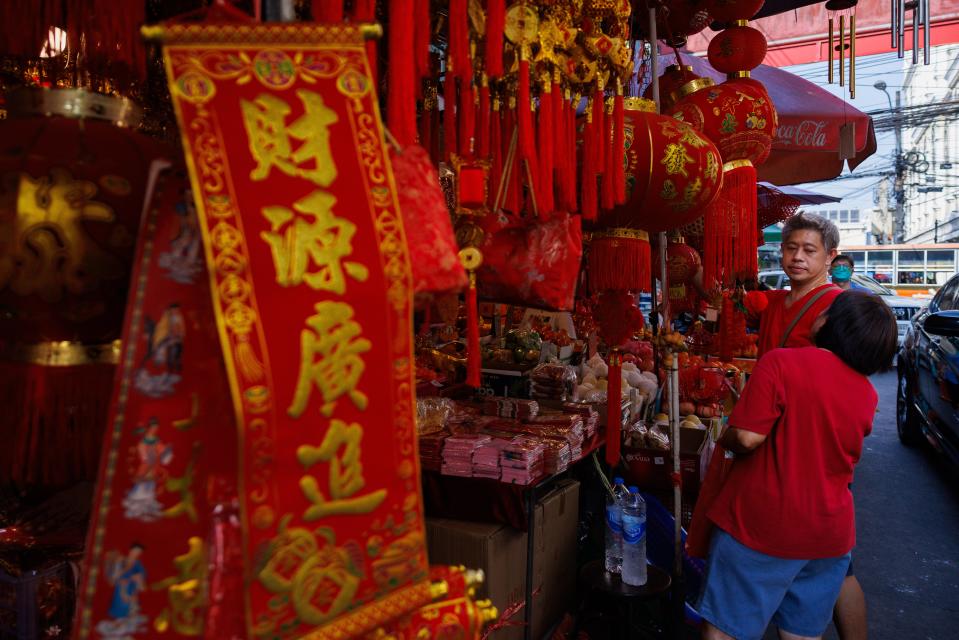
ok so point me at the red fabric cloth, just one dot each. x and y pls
(790, 497)
(777, 317)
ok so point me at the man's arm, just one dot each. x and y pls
(741, 441)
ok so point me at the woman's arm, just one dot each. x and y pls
(741, 441)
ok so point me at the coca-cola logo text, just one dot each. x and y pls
(808, 133)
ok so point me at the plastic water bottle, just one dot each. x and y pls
(634, 539)
(614, 526)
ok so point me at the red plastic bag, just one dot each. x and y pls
(531, 264)
(426, 220)
(700, 527)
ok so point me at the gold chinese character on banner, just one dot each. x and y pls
(675, 159)
(185, 592)
(312, 247)
(330, 358)
(341, 449)
(271, 140)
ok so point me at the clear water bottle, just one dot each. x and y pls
(634, 539)
(614, 526)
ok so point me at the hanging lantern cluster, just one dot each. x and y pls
(740, 118)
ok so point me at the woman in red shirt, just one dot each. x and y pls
(785, 520)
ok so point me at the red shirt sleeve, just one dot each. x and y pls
(762, 401)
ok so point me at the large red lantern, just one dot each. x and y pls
(731, 10)
(738, 48)
(672, 172)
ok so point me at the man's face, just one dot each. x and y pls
(805, 257)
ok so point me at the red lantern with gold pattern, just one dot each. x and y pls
(737, 115)
(672, 172)
(673, 78)
(731, 10)
(738, 48)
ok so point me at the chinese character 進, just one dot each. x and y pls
(270, 137)
(311, 247)
(341, 449)
(330, 358)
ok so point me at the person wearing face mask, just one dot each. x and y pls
(841, 271)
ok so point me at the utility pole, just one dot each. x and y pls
(898, 189)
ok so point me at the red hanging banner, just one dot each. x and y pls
(312, 297)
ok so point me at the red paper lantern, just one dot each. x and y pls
(670, 82)
(673, 172)
(737, 115)
(681, 18)
(682, 262)
(738, 48)
(731, 10)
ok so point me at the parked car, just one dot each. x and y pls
(903, 307)
(927, 402)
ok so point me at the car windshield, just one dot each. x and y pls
(867, 283)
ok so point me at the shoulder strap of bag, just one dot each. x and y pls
(809, 303)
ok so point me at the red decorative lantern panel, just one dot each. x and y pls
(673, 172)
(730, 10)
(737, 115)
(737, 48)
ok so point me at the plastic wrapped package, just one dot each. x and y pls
(533, 266)
(432, 414)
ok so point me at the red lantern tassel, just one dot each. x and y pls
(496, 145)
(483, 133)
(614, 410)
(609, 190)
(329, 11)
(570, 181)
(459, 43)
(527, 134)
(401, 101)
(474, 356)
(619, 148)
(495, 23)
(601, 135)
(426, 128)
(467, 120)
(739, 185)
(559, 147)
(718, 240)
(587, 201)
(547, 134)
(620, 260)
(365, 11)
(514, 182)
(422, 35)
(449, 114)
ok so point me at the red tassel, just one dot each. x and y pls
(717, 255)
(467, 119)
(739, 185)
(559, 147)
(365, 11)
(495, 23)
(587, 200)
(608, 194)
(547, 134)
(620, 263)
(422, 35)
(474, 355)
(619, 148)
(328, 11)
(514, 185)
(449, 114)
(401, 101)
(527, 134)
(496, 144)
(570, 182)
(459, 42)
(614, 411)
(601, 135)
(483, 133)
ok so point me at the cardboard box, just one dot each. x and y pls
(500, 551)
(650, 469)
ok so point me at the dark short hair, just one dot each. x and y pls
(802, 221)
(861, 329)
(842, 257)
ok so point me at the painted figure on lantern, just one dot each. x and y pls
(160, 371)
(183, 261)
(152, 454)
(128, 577)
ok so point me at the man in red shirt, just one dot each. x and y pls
(809, 244)
(785, 519)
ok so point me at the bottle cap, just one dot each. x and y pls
(617, 480)
(633, 489)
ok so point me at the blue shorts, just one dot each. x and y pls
(745, 590)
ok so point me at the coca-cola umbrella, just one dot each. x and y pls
(817, 132)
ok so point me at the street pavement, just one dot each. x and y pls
(907, 524)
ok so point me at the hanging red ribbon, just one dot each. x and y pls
(421, 39)
(570, 181)
(587, 202)
(459, 40)
(547, 134)
(401, 100)
(467, 120)
(601, 136)
(474, 356)
(485, 115)
(495, 23)
(496, 146)
(619, 148)
(365, 11)
(608, 192)
(328, 11)
(449, 114)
